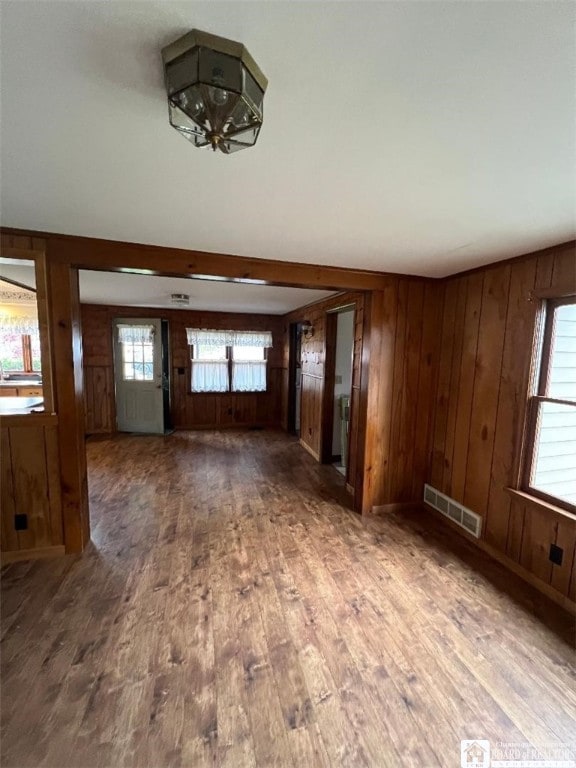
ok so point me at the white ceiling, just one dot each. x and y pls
(415, 137)
(117, 289)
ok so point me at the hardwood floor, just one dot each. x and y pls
(231, 612)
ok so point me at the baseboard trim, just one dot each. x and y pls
(562, 600)
(31, 554)
(400, 506)
(310, 450)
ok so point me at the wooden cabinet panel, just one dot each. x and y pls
(21, 391)
(30, 391)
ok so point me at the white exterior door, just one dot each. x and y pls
(138, 375)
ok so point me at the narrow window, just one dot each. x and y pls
(550, 470)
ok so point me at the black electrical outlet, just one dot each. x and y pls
(556, 554)
(20, 522)
(181, 371)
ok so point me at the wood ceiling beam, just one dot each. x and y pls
(116, 256)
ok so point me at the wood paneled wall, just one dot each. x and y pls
(30, 485)
(396, 346)
(487, 332)
(188, 410)
(404, 350)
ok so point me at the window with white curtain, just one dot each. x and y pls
(209, 368)
(228, 361)
(248, 369)
(137, 347)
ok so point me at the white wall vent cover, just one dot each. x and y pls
(462, 516)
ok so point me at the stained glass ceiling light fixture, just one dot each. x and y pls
(215, 91)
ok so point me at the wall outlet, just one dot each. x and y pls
(556, 554)
(337, 379)
(20, 522)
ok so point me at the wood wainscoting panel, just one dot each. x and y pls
(311, 412)
(99, 398)
(30, 484)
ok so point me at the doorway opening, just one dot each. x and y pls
(339, 367)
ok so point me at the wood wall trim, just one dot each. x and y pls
(64, 296)
(560, 599)
(310, 450)
(569, 245)
(540, 504)
(29, 420)
(31, 554)
(401, 506)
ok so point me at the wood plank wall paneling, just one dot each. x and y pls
(406, 373)
(487, 330)
(401, 353)
(30, 484)
(188, 410)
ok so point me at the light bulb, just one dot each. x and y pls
(192, 106)
(218, 96)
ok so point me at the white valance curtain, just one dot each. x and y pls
(22, 325)
(135, 334)
(214, 338)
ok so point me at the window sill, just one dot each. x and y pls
(540, 504)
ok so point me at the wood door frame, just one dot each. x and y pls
(293, 331)
(331, 340)
(66, 254)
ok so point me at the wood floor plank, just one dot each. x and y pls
(231, 611)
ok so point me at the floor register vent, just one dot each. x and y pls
(463, 517)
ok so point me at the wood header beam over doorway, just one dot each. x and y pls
(115, 256)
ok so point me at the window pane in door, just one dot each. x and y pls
(133, 356)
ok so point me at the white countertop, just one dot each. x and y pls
(16, 405)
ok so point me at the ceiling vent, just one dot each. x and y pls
(460, 515)
(180, 299)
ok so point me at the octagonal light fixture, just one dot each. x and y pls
(215, 91)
